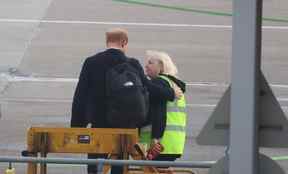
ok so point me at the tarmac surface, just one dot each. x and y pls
(43, 44)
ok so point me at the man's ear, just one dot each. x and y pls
(123, 43)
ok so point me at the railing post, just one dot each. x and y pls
(100, 167)
(31, 140)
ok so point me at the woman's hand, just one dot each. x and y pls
(178, 92)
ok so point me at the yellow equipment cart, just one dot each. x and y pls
(113, 142)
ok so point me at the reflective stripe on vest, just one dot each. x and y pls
(168, 128)
(175, 109)
(176, 118)
(179, 103)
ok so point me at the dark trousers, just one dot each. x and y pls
(167, 157)
(92, 169)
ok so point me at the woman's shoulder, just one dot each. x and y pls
(160, 81)
(181, 84)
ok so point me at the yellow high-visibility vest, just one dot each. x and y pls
(173, 139)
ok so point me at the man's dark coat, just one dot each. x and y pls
(89, 102)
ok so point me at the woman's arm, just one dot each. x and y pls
(155, 90)
(158, 111)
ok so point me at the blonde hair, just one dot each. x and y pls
(117, 35)
(169, 67)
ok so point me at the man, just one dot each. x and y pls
(89, 102)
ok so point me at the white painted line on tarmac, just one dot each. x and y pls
(207, 84)
(214, 105)
(74, 80)
(282, 99)
(131, 24)
(40, 79)
(202, 105)
(35, 100)
(69, 101)
(215, 84)
(279, 86)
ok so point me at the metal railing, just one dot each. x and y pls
(101, 162)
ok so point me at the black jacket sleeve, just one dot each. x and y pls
(80, 98)
(158, 111)
(178, 82)
(154, 89)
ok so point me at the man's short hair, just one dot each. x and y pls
(117, 35)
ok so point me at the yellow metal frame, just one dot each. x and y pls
(68, 140)
(109, 141)
(113, 142)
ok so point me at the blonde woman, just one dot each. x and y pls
(165, 132)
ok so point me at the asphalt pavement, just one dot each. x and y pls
(44, 43)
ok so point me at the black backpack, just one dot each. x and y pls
(127, 97)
